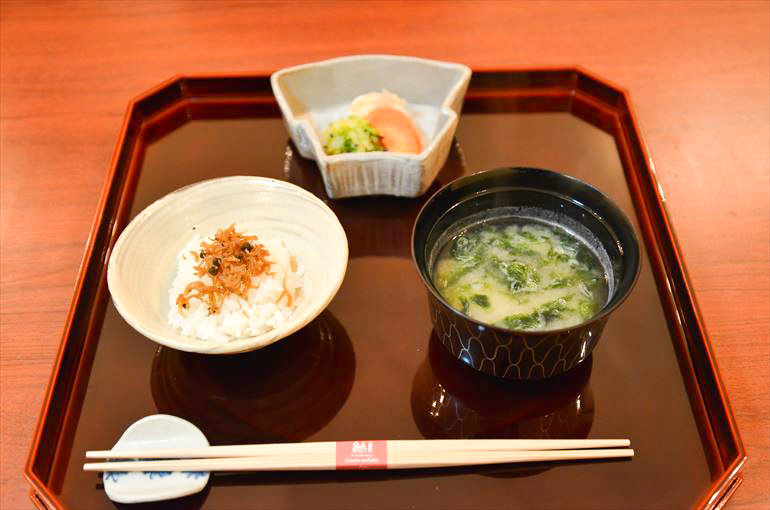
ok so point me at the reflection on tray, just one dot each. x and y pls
(375, 226)
(282, 393)
(451, 401)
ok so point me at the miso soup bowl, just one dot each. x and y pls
(541, 195)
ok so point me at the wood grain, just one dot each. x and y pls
(698, 72)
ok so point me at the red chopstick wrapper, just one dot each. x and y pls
(362, 454)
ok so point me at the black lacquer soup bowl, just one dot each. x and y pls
(539, 195)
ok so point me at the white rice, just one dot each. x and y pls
(237, 318)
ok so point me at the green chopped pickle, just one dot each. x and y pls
(521, 274)
(352, 134)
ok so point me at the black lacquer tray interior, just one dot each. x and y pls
(370, 366)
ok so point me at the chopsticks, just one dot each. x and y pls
(398, 454)
(422, 445)
(395, 461)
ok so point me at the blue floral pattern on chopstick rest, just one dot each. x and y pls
(138, 486)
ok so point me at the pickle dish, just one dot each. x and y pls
(314, 96)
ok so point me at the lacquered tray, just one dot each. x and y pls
(369, 367)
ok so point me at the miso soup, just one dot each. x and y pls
(521, 274)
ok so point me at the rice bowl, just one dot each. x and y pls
(143, 265)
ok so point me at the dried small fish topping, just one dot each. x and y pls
(231, 260)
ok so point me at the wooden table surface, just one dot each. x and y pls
(698, 74)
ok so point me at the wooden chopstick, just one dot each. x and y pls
(418, 445)
(395, 460)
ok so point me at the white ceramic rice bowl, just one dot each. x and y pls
(143, 262)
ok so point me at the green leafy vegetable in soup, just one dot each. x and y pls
(352, 134)
(521, 274)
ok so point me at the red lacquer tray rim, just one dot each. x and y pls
(662, 236)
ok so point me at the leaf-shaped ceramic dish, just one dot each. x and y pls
(311, 96)
(143, 263)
